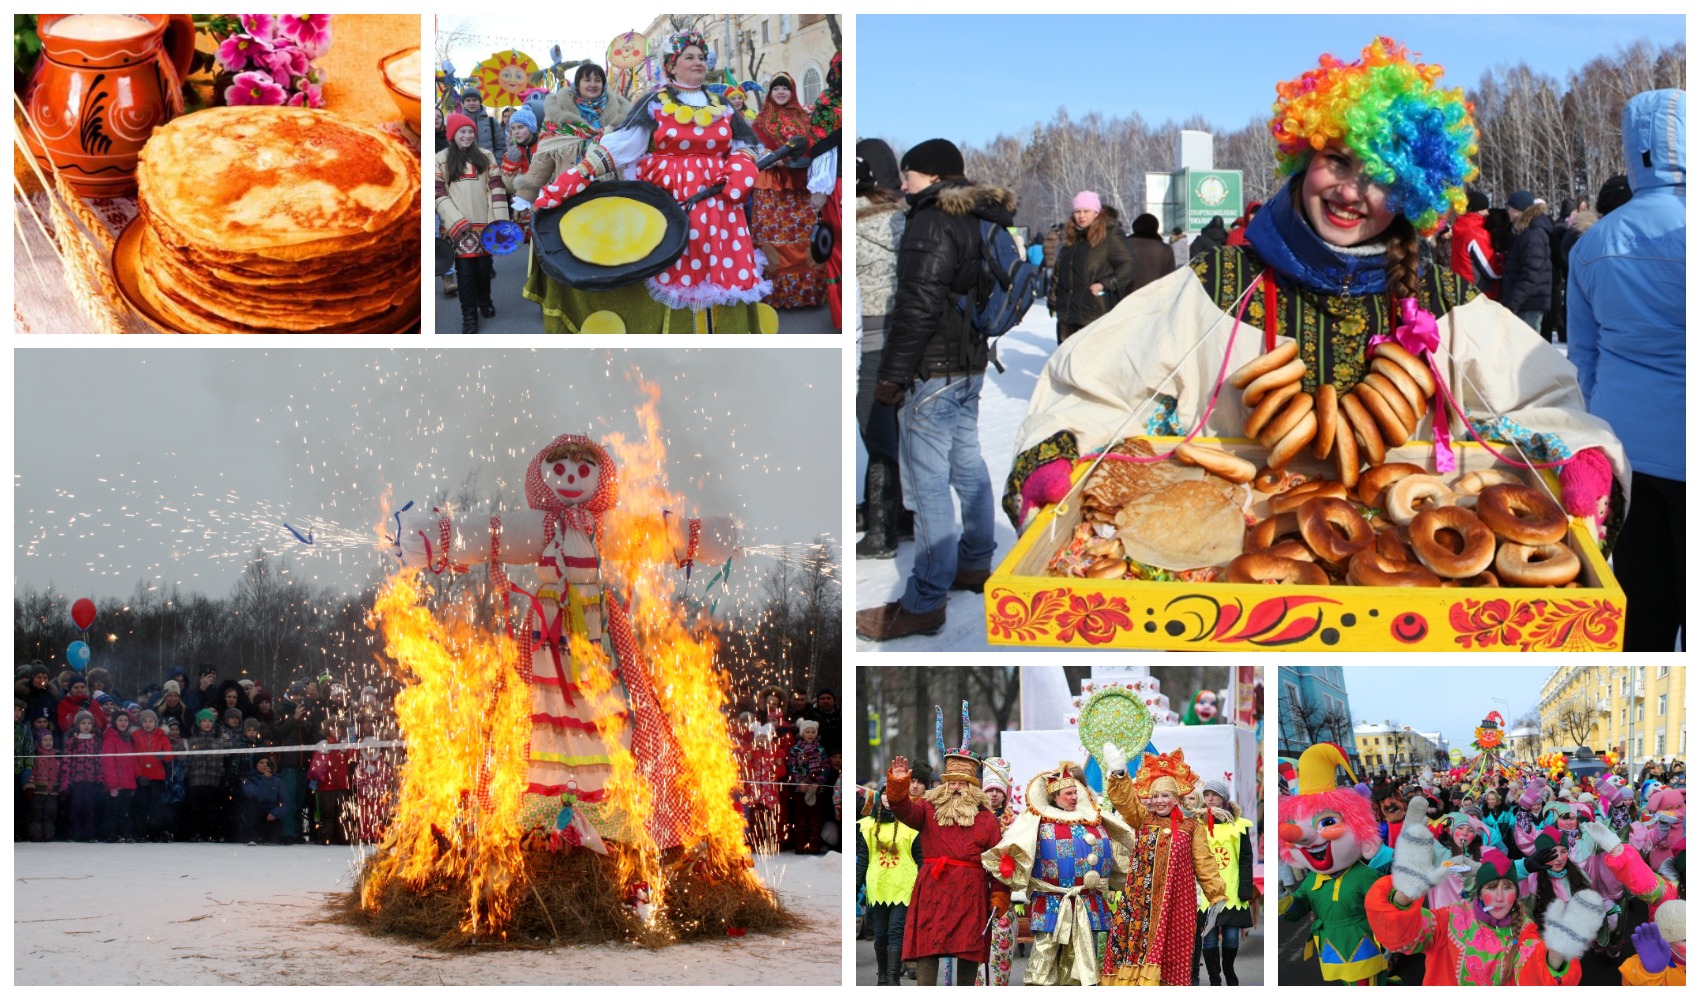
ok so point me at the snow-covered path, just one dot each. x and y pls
(200, 915)
(1003, 403)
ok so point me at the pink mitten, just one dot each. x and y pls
(1048, 484)
(1585, 486)
(569, 183)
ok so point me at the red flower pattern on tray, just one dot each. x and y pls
(1537, 624)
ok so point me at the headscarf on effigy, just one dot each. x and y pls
(587, 514)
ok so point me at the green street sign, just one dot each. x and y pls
(1211, 193)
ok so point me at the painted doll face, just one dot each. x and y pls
(1207, 705)
(573, 480)
(1568, 823)
(1322, 842)
(1499, 896)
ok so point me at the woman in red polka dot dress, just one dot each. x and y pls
(684, 139)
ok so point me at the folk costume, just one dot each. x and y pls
(1151, 931)
(887, 865)
(1065, 862)
(780, 211)
(953, 898)
(1145, 356)
(994, 773)
(1333, 879)
(1228, 835)
(683, 139)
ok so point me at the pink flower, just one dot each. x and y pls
(286, 62)
(238, 52)
(310, 30)
(259, 25)
(309, 96)
(254, 88)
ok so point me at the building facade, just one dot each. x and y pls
(1396, 749)
(1314, 708)
(1637, 712)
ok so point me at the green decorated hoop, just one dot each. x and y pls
(1115, 715)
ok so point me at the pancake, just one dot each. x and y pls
(278, 220)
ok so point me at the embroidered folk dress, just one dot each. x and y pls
(1152, 929)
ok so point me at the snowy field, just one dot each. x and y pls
(198, 915)
(1003, 403)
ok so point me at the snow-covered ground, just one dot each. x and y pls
(1003, 403)
(199, 915)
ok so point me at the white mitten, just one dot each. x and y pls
(1114, 759)
(1414, 867)
(1571, 925)
(1602, 836)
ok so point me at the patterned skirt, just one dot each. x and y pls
(783, 216)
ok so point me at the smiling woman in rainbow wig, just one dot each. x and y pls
(1377, 154)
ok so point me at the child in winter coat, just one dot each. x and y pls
(327, 775)
(176, 787)
(807, 768)
(118, 774)
(23, 745)
(204, 796)
(44, 776)
(263, 804)
(149, 805)
(470, 196)
(80, 777)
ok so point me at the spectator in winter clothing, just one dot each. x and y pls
(79, 775)
(1152, 258)
(40, 697)
(1628, 339)
(118, 774)
(100, 685)
(1214, 235)
(23, 747)
(205, 694)
(825, 711)
(1527, 289)
(149, 805)
(469, 196)
(264, 804)
(807, 768)
(1236, 234)
(296, 730)
(879, 234)
(1094, 267)
(1178, 245)
(888, 882)
(932, 368)
(78, 701)
(1552, 327)
(522, 142)
(172, 706)
(44, 801)
(1473, 256)
(328, 775)
(204, 792)
(176, 791)
(487, 131)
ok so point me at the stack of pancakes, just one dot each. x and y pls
(268, 220)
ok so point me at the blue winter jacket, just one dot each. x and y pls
(1628, 290)
(268, 792)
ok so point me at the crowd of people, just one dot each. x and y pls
(1509, 874)
(790, 760)
(748, 247)
(951, 867)
(216, 759)
(1376, 231)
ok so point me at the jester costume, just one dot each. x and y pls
(1063, 859)
(1151, 931)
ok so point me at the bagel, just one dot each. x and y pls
(1483, 579)
(1474, 555)
(1327, 420)
(1522, 514)
(1107, 568)
(1407, 386)
(1481, 479)
(1398, 421)
(1263, 364)
(1346, 458)
(1296, 497)
(1229, 466)
(1264, 533)
(1406, 497)
(1288, 448)
(1269, 480)
(1372, 569)
(1292, 548)
(1292, 371)
(1536, 565)
(1388, 545)
(1374, 480)
(1374, 452)
(1465, 500)
(1285, 421)
(1266, 410)
(1412, 365)
(1334, 529)
(1263, 567)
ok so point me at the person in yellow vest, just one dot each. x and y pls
(1229, 839)
(888, 858)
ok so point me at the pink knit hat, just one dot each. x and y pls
(1088, 200)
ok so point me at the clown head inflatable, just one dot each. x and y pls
(1325, 828)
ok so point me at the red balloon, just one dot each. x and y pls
(82, 612)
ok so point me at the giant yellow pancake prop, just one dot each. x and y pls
(612, 231)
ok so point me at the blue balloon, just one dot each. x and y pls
(78, 654)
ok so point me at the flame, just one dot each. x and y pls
(465, 716)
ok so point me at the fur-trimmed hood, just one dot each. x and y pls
(976, 199)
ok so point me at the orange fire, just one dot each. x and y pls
(465, 713)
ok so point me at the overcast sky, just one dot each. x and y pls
(171, 465)
(1452, 700)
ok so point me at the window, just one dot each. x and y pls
(811, 86)
(1660, 744)
(1623, 719)
(785, 27)
(1640, 710)
(1638, 753)
(1625, 681)
(764, 38)
(1664, 671)
(1662, 703)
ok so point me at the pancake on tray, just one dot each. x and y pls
(264, 219)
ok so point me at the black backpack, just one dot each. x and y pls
(1007, 287)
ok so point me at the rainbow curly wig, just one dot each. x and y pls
(1414, 138)
(1349, 804)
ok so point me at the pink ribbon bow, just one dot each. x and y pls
(1418, 333)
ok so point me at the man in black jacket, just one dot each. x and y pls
(1527, 287)
(932, 369)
